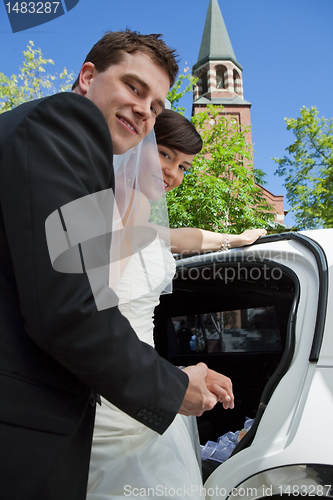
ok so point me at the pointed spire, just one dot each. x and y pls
(215, 43)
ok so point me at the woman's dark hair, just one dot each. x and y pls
(111, 47)
(176, 132)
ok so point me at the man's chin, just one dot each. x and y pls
(120, 147)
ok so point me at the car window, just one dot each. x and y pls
(213, 310)
(254, 329)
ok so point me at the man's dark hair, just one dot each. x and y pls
(110, 49)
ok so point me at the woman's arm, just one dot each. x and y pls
(192, 239)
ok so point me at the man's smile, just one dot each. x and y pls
(128, 124)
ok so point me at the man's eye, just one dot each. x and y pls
(153, 110)
(133, 88)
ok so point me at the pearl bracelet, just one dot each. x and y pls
(226, 244)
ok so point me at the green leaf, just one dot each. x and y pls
(32, 81)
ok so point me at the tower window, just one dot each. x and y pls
(236, 81)
(204, 80)
(221, 77)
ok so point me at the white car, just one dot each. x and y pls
(262, 315)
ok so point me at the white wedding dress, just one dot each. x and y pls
(128, 459)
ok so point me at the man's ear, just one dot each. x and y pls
(87, 73)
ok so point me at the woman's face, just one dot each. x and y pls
(174, 164)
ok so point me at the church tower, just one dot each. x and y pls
(220, 82)
(220, 74)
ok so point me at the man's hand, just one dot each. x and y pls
(221, 386)
(198, 398)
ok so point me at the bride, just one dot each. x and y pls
(129, 459)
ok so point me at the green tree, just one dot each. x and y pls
(308, 171)
(220, 193)
(32, 82)
(182, 86)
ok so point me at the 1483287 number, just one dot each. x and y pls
(32, 7)
(308, 490)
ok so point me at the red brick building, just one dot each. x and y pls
(221, 82)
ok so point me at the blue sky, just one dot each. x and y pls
(284, 46)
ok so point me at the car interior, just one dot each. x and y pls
(237, 318)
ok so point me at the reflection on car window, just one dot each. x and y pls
(243, 330)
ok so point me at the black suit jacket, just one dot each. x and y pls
(57, 350)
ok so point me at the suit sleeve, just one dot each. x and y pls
(60, 152)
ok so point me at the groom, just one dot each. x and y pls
(57, 350)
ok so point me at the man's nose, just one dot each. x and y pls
(143, 108)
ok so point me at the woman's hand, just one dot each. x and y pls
(191, 239)
(251, 235)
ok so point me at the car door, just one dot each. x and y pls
(256, 314)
